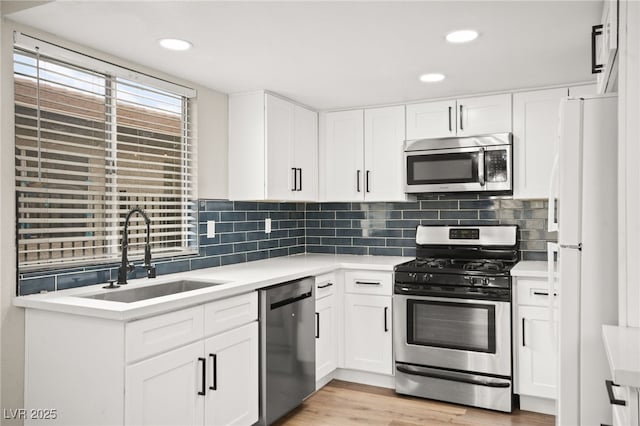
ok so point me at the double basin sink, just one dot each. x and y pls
(137, 294)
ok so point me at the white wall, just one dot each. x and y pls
(211, 119)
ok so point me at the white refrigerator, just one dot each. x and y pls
(587, 208)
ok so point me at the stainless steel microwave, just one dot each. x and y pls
(466, 164)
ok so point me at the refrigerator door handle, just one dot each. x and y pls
(552, 249)
(552, 222)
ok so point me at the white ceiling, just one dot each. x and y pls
(331, 54)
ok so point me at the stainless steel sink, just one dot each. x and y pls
(135, 294)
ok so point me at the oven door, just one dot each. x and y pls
(459, 334)
(472, 169)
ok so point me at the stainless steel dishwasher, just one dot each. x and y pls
(287, 347)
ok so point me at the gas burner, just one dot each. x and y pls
(434, 263)
(488, 265)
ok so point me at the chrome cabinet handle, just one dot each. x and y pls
(450, 109)
(461, 125)
(358, 181)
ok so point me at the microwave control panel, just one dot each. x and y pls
(495, 163)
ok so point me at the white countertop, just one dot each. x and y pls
(530, 268)
(622, 345)
(241, 277)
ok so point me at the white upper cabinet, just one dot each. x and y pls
(461, 117)
(383, 156)
(605, 37)
(535, 134)
(483, 115)
(305, 153)
(341, 158)
(273, 149)
(431, 120)
(281, 179)
(361, 155)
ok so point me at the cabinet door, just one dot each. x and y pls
(305, 147)
(326, 336)
(536, 117)
(484, 114)
(232, 382)
(279, 148)
(342, 160)
(164, 390)
(537, 355)
(368, 333)
(383, 155)
(431, 120)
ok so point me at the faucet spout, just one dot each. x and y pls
(125, 266)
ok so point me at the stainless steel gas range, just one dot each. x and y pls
(452, 316)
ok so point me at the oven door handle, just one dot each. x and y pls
(456, 378)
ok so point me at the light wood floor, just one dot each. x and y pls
(343, 404)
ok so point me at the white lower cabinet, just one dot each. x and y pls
(232, 391)
(163, 390)
(327, 306)
(326, 336)
(213, 381)
(194, 366)
(535, 347)
(537, 353)
(368, 338)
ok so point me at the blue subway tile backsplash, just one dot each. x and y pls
(336, 228)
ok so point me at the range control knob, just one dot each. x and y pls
(413, 277)
(426, 278)
(485, 281)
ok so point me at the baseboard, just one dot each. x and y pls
(321, 382)
(365, 378)
(538, 405)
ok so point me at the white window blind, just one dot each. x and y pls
(89, 147)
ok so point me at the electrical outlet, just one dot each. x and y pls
(267, 225)
(211, 229)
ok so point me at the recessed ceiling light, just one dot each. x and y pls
(174, 44)
(431, 78)
(462, 36)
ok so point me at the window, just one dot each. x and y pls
(89, 146)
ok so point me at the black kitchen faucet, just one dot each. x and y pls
(125, 266)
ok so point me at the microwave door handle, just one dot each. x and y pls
(481, 167)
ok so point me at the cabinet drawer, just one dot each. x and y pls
(369, 282)
(154, 335)
(325, 285)
(226, 314)
(534, 292)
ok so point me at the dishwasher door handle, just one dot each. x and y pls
(290, 300)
